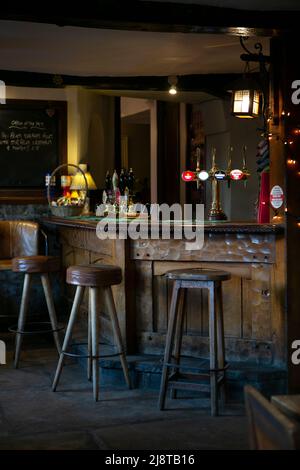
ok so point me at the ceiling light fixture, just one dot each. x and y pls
(249, 97)
(173, 80)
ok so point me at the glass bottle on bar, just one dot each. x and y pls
(122, 181)
(115, 180)
(52, 182)
(108, 182)
(130, 180)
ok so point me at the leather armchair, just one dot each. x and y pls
(17, 238)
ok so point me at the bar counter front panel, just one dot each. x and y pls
(253, 298)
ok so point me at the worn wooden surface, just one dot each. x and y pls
(269, 428)
(288, 404)
(253, 298)
(227, 247)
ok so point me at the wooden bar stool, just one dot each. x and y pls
(99, 279)
(30, 265)
(197, 279)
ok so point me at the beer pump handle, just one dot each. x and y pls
(229, 165)
(198, 158)
(244, 169)
(244, 155)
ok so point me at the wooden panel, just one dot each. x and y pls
(197, 301)
(261, 302)
(246, 309)
(194, 311)
(229, 247)
(252, 351)
(232, 307)
(160, 304)
(87, 240)
(100, 258)
(204, 316)
(143, 296)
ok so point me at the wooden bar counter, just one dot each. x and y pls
(254, 311)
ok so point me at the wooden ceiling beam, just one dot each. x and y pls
(210, 83)
(153, 16)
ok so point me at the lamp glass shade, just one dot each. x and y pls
(78, 182)
(245, 103)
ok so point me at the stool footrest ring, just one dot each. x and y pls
(175, 377)
(14, 328)
(87, 356)
(197, 369)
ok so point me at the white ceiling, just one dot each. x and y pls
(68, 50)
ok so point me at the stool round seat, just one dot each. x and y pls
(197, 274)
(94, 275)
(35, 264)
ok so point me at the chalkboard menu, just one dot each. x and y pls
(32, 142)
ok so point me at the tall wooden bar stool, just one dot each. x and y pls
(197, 279)
(31, 265)
(99, 279)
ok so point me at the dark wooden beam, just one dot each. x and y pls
(284, 71)
(210, 83)
(153, 16)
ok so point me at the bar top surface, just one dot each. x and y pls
(90, 223)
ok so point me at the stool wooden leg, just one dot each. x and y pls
(117, 332)
(169, 345)
(213, 349)
(22, 317)
(89, 360)
(220, 334)
(178, 333)
(93, 291)
(68, 335)
(51, 308)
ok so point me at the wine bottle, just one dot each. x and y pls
(108, 182)
(115, 180)
(130, 180)
(122, 182)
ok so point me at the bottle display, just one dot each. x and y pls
(118, 194)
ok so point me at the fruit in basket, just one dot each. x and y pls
(67, 201)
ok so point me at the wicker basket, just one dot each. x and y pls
(66, 211)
